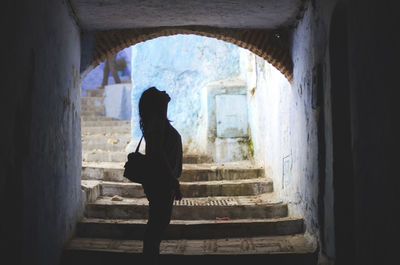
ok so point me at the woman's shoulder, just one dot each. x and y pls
(173, 130)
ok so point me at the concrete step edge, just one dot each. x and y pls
(189, 208)
(266, 199)
(106, 126)
(192, 229)
(105, 134)
(113, 172)
(195, 189)
(196, 183)
(105, 123)
(295, 244)
(188, 166)
(175, 222)
(88, 98)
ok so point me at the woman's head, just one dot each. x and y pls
(153, 105)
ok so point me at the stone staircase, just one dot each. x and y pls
(229, 212)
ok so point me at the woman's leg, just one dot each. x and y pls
(160, 209)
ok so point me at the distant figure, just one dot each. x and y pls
(164, 151)
(110, 65)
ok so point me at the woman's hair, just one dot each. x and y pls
(151, 105)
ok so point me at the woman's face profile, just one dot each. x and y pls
(165, 97)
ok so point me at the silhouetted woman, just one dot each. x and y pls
(164, 151)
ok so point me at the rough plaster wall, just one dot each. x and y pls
(283, 129)
(41, 148)
(283, 126)
(279, 129)
(270, 104)
(309, 48)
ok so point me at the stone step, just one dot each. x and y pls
(91, 190)
(90, 108)
(91, 113)
(283, 250)
(95, 92)
(97, 118)
(116, 143)
(92, 101)
(106, 129)
(111, 147)
(205, 208)
(103, 134)
(111, 123)
(191, 229)
(102, 143)
(196, 159)
(104, 156)
(109, 171)
(104, 138)
(247, 187)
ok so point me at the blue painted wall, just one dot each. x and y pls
(182, 65)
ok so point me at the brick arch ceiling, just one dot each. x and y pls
(272, 45)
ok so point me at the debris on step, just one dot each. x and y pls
(117, 198)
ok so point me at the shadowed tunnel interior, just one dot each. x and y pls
(337, 55)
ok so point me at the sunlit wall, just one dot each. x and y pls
(182, 65)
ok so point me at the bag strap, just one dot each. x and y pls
(137, 148)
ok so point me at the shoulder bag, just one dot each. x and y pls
(136, 166)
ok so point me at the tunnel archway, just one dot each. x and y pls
(272, 45)
(253, 66)
(282, 182)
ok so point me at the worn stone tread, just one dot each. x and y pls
(176, 222)
(97, 118)
(226, 246)
(106, 123)
(118, 147)
(98, 138)
(113, 171)
(92, 98)
(261, 199)
(95, 92)
(202, 166)
(196, 188)
(98, 126)
(192, 183)
(191, 229)
(106, 129)
(197, 177)
(236, 207)
(84, 134)
(269, 198)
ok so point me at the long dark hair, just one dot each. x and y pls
(151, 106)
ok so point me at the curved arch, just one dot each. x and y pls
(272, 45)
